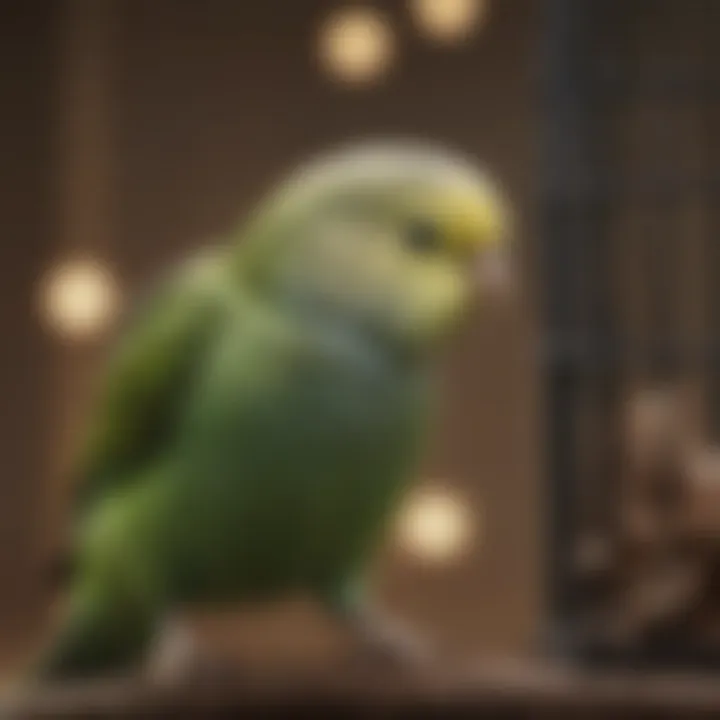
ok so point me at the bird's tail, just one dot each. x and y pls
(99, 635)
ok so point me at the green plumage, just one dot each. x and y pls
(265, 410)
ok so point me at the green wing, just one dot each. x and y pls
(148, 378)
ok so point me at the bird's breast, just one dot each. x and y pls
(298, 456)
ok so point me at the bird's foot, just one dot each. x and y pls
(387, 643)
(173, 658)
(178, 659)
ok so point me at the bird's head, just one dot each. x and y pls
(399, 238)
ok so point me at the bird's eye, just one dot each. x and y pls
(423, 235)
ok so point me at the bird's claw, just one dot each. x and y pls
(390, 645)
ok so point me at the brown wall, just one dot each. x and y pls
(26, 49)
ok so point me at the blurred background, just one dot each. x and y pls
(573, 495)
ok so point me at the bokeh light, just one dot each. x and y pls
(79, 298)
(437, 525)
(448, 21)
(356, 45)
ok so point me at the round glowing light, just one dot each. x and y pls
(448, 21)
(436, 526)
(79, 298)
(356, 45)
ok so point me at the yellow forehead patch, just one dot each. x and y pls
(472, 220)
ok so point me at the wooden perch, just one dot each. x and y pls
(497, 691)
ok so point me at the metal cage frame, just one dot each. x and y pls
(589, 71)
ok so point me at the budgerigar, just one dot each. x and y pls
(267, 407)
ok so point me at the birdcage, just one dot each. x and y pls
(631, 256)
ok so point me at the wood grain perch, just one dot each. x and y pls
(502, 691)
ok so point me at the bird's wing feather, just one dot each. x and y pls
(147, 379)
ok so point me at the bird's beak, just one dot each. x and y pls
(494, 273)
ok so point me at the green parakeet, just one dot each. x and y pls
(267, 407)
